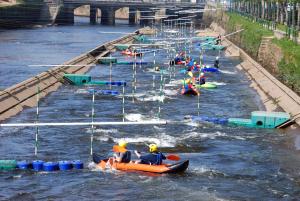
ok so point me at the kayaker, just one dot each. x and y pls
(153, 158)
(218, 41)
(123, 157)
(177, 59)
(202, 79)
(217, 63)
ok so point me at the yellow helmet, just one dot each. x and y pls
(153, 148)
(122, 143)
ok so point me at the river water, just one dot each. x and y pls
(226, 163)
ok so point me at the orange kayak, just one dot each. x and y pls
(164, 168)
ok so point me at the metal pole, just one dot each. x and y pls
(153, 83)
(123, 103)
(93, 112)
(37, 120)
(110, 74)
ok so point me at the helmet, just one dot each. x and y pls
(217, 58)
(153, 148)
(202, 74)
(122, 143)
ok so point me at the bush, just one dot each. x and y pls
(289, 67)
(252, 34)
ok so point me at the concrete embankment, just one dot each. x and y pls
(275, 95)
(15, 98)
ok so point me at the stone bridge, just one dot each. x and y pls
(108, 9)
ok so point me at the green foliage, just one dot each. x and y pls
(281, 27)
(289, 66)
(252, 34)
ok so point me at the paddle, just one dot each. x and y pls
(173, 157)
(119, 149)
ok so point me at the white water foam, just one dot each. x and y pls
(228, 72)
(104, 131)
(136, 95)
(219, 83)
(162, 140)
(211, 136)
(174, 83)
(152, 98)
(170, 92)
(151, 70)
(134, 117)
(81, 91)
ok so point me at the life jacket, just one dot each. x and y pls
(153, 158)
(125, 157)
(202, 80)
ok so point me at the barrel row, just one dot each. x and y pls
(39, 165)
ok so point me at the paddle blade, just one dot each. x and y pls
(119, 149)
(173, 157)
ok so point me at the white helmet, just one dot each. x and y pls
(217, 58)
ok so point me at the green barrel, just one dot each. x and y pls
(8, 164)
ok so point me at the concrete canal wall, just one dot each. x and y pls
(274, 94)
(15, 98)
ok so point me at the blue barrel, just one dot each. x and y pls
(223, 121)
(114, 93)
(50, 166)
(77, 164)
(65, 165)
(205, 118)
(23, 165)
(37, 165)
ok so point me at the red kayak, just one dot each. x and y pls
(138, 54)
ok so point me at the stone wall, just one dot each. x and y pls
(28, 14)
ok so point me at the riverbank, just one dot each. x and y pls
(275, 95)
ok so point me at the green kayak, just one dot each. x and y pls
(207, 85)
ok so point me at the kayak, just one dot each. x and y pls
(210, 69)
(189, 91)
(138, 54)
(207, 85)
(164, 168)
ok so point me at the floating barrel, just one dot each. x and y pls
(102, 92)
(37, 165)
(108, 92)
(211, 119)
(131, 62)
(23, 165)
(210, 69)
(8, 164)
(77, 164)
(113, 83)
(50, 166)
(65, 165)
